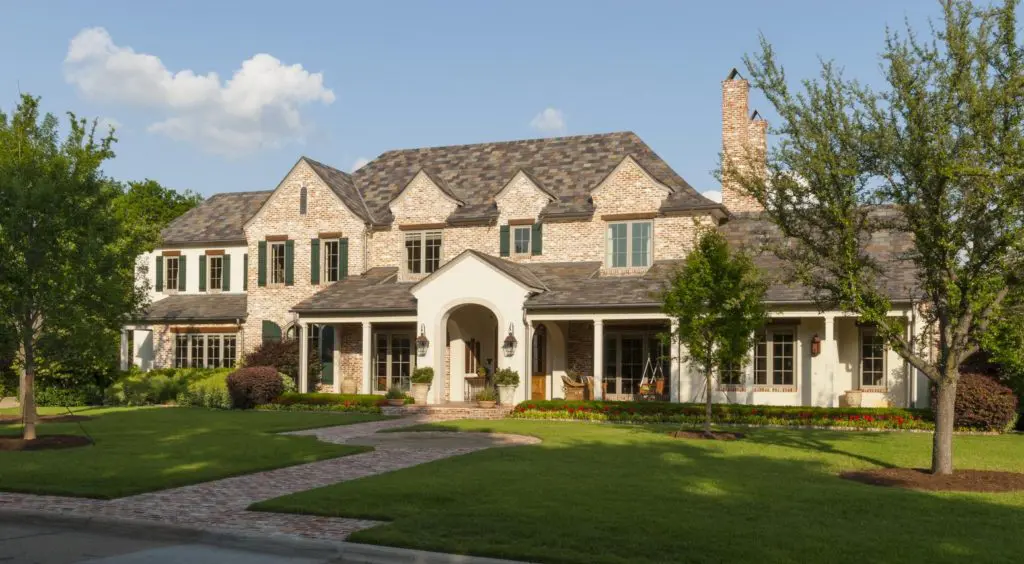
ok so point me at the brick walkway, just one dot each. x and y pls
(221, 504)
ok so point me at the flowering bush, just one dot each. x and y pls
(726, 414)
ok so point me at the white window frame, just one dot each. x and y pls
(630, 227)
(404, 382)
(423, 237)
(171, 282)
(516, 230)
(871, 332)
(273, 246)
(647, 338)
(769, 337)
(331, 273)
(210, 260)
(187, 341)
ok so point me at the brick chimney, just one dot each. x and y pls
(744, 137)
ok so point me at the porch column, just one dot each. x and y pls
(336, 360)
(303, 359)
(830, 358)
(528, 357)
(673, 350)
(598, 358)
(125, 353)
(367, 357)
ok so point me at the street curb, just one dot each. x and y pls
(279, 544)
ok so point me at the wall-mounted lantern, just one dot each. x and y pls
(815, 345)
(422, 342)
(510, 342)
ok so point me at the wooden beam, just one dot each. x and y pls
(628, 216)
(421, 226)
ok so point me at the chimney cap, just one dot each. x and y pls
(733, 74)
(755, 116)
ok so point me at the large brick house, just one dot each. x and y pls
(559, 245)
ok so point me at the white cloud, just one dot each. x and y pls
(551, 120)
(359, 163)
(259, 106)
(713, 195)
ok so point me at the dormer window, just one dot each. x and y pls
(303, 195)
(422, 252)
(629, 244)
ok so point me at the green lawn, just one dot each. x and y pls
(601, 493)
(140, 450)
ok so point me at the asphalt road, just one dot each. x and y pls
(57, 544)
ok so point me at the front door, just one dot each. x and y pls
(539, 374)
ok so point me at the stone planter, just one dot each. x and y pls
(419, 393)
(396, 402)
(852, 398)
(506, 395)
(482, 403)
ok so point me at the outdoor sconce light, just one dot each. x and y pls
(510, 342)
(815, 345)
(422, 342)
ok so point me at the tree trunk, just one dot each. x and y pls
(27, 393)
(942, 440)
(707, 405)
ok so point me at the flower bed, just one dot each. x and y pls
(359, 403)
(726, 414)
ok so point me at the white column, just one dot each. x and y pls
(364, 387)
(598, 358)
(336, 361)
(125, 353)
(528, 357)
(830, 359)
(303, 359)
(675, 382)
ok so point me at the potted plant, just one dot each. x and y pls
(421, 379)
(481, 372)
(507, 381)
(486, 397)
(395, 396)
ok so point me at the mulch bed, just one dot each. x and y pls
(921, 479)
(46, 418)
(713, 436)
(43, 442)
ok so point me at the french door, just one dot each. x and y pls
(626, 358)
(393, 360)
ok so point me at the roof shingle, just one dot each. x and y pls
(219, 219)
(197, 307)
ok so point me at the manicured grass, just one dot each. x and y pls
(140, 450)
(603, 493)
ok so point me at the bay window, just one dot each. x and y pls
(629, 244)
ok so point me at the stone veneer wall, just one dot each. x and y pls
(351, 352)
(280, 216)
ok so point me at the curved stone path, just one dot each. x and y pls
(221, 504)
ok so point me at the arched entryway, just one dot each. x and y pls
(471, 356)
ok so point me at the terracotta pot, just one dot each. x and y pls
(396, 402)
(481, 403)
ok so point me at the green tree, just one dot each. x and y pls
(718, 298)
(146, 207)
(941, 147)
(64, 270)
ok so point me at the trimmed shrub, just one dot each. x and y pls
(360, 403)
(982, 403)
(55, 396)
(210, 392)
(284, 356)
(159, 386)
(254, 385)
(422, 375)
(725, 414)
(506, 377)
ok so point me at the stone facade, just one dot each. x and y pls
(744, 137)
(351, 352)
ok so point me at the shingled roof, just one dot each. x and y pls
(376, 290)
(219, 219)
(197, 307)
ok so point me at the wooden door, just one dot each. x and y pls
(539, 374)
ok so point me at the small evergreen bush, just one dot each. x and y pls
(254, 385)
(983, 404)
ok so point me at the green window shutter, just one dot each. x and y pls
(225, 276)
(182, 261)
(314, 261)
(271, 331)
(159, 274)
(537, 240)
(202, 273)
(245, 271)
(261, 266)
(503, 241)
(342, 258)
(289, 262)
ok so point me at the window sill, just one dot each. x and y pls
(624, 270)
(775, 389)
(732, 388)
(873, 389)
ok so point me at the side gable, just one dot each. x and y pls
(424, 200)
(302, 173)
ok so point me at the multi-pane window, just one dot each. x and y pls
(521, 240)
(277, 263)
(775, 359)
(332, 260)
(628, 357)
(731, 375)
(216, 272)
(198, 350)
(171, 268)
(629, 244)
(872, 359)
(393, 361)
(422, 252)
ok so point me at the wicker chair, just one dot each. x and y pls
(574, 391)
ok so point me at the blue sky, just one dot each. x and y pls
(385, 75)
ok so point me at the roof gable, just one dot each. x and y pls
(517, 273)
